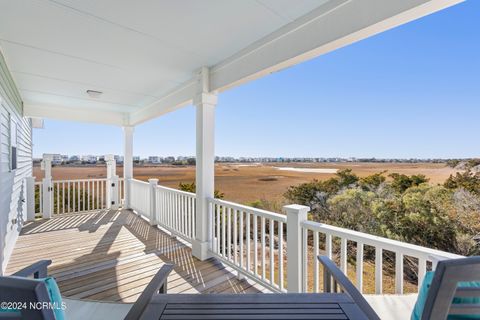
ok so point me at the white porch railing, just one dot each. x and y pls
(75, 195)
(352, 243)
(140, 197)
(240, 239)
(255, 242)
(176, 211)
(78, 195)
(171, 209)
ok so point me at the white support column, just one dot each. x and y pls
(205, 103)
(127, 163)
(112, 182)
(30, 191)
(295, 215)
(47, 189)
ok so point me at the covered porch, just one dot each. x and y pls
(108, 237)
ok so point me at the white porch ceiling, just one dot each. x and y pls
(143, 55)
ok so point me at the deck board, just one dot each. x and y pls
(112, 255)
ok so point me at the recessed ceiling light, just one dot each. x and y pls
(94, 93)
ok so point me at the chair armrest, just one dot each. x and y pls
(157, 285)
(330, 270)
(37, 270)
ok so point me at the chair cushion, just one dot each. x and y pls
(392, 306)
(95, 310)
(55, 297)
(423, 293)
(11, 312)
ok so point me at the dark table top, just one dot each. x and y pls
(253, 306)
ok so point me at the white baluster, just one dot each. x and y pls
(68, 196)
(58, 195)
(422, 269)
(378, 270)
(280, 255)
(304, 250)
(229, 234)
(224, 242)
(262, 235)
(241, 238)
(360, 266)
(398, 273)
(247, 215)
(343, 255)
(63, 197)
(235, 236)
(255, 244)
(272, 252)
(74, 196)
(316, 270)
(217, 212)
(328, 245)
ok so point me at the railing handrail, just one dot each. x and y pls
(377, 241)
(81, 180)
(139, 181)
(259, 212)
(76, 180)
(190, 194)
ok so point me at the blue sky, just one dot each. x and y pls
(413, 91)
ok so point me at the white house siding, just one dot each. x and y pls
(12, 182)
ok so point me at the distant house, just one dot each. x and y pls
(154, 159)
(57, 159)
(88, 159)
(118, 159)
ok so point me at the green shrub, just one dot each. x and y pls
(405, 208)
(192, 187)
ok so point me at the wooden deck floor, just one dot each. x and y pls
(112, 255)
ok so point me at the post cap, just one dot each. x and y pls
(296, 207)
(47, 157)
(153, 181)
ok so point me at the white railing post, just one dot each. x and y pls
(296, 214)
(30, 198)
(205, 103)
(112, 182)
(152, 215)
(47, 188)
(127, 164)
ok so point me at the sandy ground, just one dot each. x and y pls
(245, 183)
